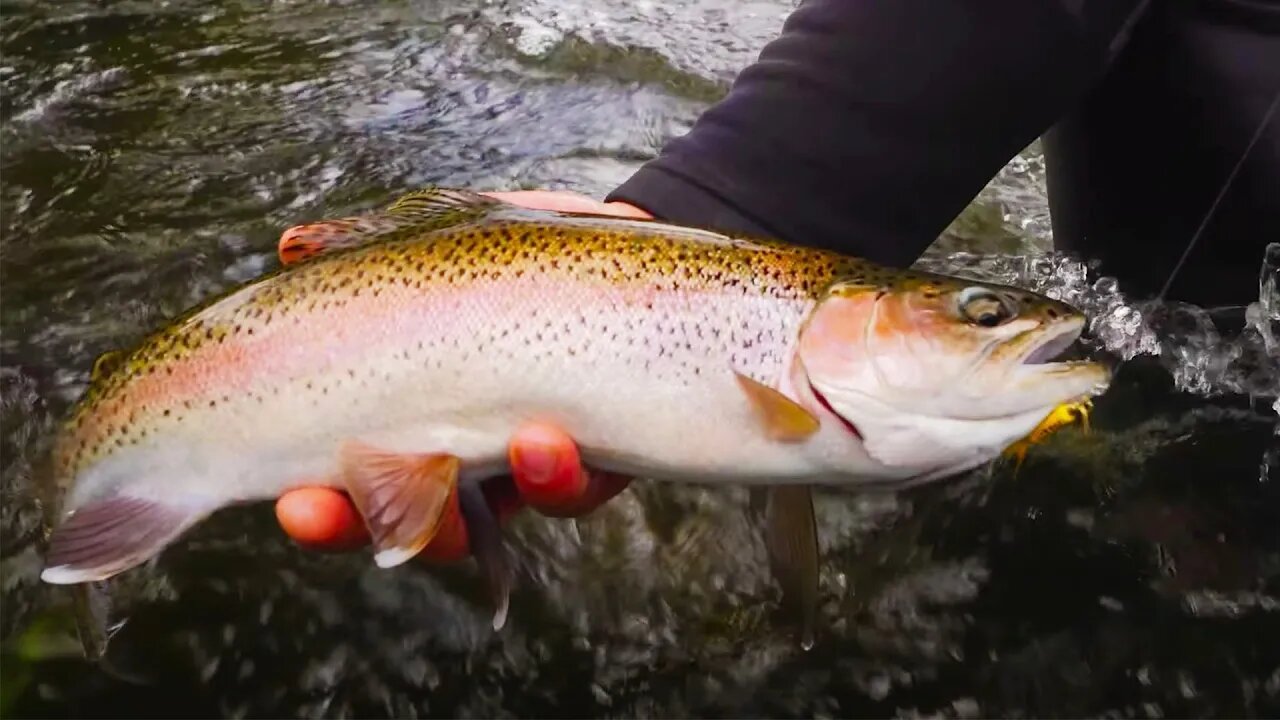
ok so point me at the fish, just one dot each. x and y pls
(394, 354)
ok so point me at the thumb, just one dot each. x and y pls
(321, 518)
(549, 475)
(561, 201)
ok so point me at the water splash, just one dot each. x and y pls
(1264, 315)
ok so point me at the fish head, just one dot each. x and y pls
(940, 360)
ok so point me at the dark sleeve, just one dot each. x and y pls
(868, 125)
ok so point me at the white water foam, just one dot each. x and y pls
(1202, 358)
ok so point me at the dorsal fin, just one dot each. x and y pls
(446, 206)
(106, 364)
(417, 212)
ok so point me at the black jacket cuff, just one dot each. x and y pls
(677, 199)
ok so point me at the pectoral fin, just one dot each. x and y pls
(783, 419)
(402, 497)
(791, 536)
(486, 545)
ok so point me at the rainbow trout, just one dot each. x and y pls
(396, 362)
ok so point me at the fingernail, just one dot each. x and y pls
(537, 464)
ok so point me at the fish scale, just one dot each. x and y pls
(398, 354)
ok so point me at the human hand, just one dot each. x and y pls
(563, 201)
(547, 473)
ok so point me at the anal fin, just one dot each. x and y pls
(402, 497)
(791, 536)
(485, 537)
(106, 537)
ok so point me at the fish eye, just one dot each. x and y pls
(981, 306)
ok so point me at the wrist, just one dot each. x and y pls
(626, 209)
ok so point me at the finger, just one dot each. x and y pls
(325, 520)
(321, 518)
(546, 467)
(568, 202)
(549, 475)
(598, 488)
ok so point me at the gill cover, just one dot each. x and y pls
(836, 350)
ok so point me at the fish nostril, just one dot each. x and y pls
(1052, 313)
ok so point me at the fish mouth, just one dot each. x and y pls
(1053, 343)
(1043, 360)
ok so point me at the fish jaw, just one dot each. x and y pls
(925, 446)
(910, 448)
(1029, 377)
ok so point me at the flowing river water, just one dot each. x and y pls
(153, 152)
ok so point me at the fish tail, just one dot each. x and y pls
(108, 536)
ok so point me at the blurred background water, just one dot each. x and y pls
(151, 153)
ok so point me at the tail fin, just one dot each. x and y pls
(109, 536)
